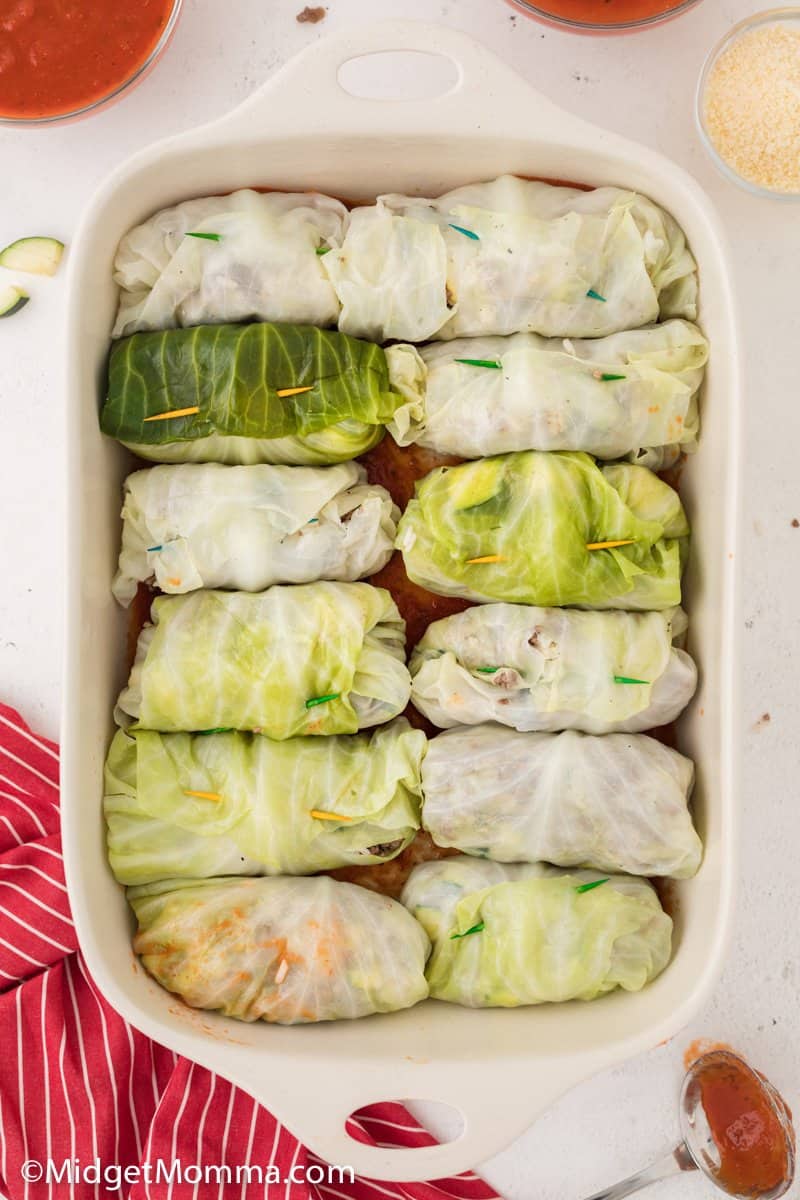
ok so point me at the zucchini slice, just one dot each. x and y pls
(12, 299)
(36, 255)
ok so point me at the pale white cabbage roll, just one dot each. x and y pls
(511, 256)
(284, 950)
(314, 659)
(532, 934)
(257, 261)
(622, 395)
(390, 274)
(547, 669)
(247, 528)
(615, 803)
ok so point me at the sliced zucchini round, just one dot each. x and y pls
(36, 255)
(12, 299)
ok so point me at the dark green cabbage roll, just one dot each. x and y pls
(506, 935)
(224, 383)
(519, 527)
(179, 805)
(282, 950)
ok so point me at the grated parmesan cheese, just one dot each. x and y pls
(752, 107)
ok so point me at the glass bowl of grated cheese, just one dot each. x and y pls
(748, 104)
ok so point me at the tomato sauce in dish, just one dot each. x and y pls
(60, 56)
(750, 1125)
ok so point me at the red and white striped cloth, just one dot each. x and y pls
(76, 1081)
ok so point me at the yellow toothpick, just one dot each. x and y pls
(609, 545)
(176, 412)
(294, 391)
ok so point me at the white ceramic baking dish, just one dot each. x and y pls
(500, 1068)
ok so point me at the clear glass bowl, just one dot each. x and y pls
(117, 92)
(542, 13)
(770, 16)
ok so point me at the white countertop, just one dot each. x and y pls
(641, 86)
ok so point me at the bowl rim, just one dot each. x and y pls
(74, 114)
(536, 11)
(767, 16)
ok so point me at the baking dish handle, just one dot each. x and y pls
(313, 100)
(497, 1103)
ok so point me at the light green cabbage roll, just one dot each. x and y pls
(208, 526)
(510, 935)
(283, 950)
(529, 519)
(547, 669)
(247, 394)
(179, 805)
(632, 393)
(257, 261)
(616, 803)
(319, 658)
(511, 256)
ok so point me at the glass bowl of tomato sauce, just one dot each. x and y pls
(61, 60)
(603, 16)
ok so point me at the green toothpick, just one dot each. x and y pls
(323, 249)
(219, 729)
(487, 670)
(322, 699)
(475, 929)
(593, 295)
(626, 679)
(479, 362)
(466, 232)
(588, 887)
(208, 237)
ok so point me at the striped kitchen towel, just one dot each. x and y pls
(79, 1086)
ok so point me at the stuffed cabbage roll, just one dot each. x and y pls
(547, 669)
(208, 526)
(242, 257)
(283, 950)
(318, 658)
(179, 805)
(247, 394)
(532, 528)
(633, 393)
(531, 934)
(511, 256)
(616, 803)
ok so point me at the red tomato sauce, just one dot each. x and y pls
(607, 12)
(748, 1133)
(58, 56)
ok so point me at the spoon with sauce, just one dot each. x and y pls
(736, 1129)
